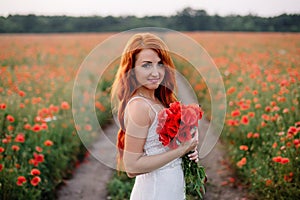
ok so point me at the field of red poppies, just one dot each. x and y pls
(39, 144)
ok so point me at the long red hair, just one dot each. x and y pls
(125, 84)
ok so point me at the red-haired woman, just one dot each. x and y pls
(144, 85)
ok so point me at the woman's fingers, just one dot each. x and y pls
(194, 156)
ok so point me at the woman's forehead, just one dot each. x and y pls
(148, 55)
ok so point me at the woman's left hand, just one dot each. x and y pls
(194, 155)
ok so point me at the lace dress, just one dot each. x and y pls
(164, 183)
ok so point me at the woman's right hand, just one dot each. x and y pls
(190, 145)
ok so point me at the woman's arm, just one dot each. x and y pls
(137, 125)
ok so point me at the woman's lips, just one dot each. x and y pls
(154, 80)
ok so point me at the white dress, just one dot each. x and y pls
(164, 183)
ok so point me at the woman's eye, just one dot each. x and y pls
(146, 65)
(160, 65)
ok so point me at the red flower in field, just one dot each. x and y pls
(235, 113)
(268, 182)
(254, 92)
(22, 93)
(38, 149)
(251, 114)
(65, 105)
(286, 110)
(267, 108)
(232, 122)
(275, 109)
(242, 162)
(10, 118)
(296, 143)
(231, 90)
(263, 124)
(48, 143)
(20, 138)
(265, 117)
(285, 160)
(2, 149)
(21, 180)
(27, 127)
(249, 135)
(255, 135)
(99, 106)
(36, 128)
(257, 106)
(2, 106)
(1, 167)
(15, 147)
(35, 180)
(53, 108)
(288, 178)
(244, 147)
(245, 120)
(10, 128)
(22, 105)
(88, 127)
(5, 141)
(293, 130)
(274, 145)
(35, 172)
(44, 126)
(38, 157)
(277, 159)
(245, 106)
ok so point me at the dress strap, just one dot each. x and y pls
(146, 100)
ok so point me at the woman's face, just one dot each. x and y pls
(149, 69)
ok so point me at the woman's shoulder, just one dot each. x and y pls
(138, 103)
(139, 110)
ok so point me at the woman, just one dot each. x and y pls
(144, 85)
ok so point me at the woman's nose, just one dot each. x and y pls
(154, 71)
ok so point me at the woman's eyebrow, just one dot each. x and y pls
(146, 61)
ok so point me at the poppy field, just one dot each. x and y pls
(39, 145)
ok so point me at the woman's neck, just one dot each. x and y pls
(149, 94)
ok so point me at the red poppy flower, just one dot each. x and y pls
(27, 127)
(21, 180)
(48, 143)
(35, 172)
(20, 138)
(35, 180)
(285, 160)
(15, 148)
(10, 118)
(244, 147)
(245, 120)
(65, 105)
(235, 113)
(2, 106)
(36, 128)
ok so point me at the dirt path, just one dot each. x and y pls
(90, 178)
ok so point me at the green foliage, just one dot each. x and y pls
(186, 20)
(120, 186)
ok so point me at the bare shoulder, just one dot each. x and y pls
(138, 112)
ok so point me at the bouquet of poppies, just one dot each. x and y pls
(178, 124)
